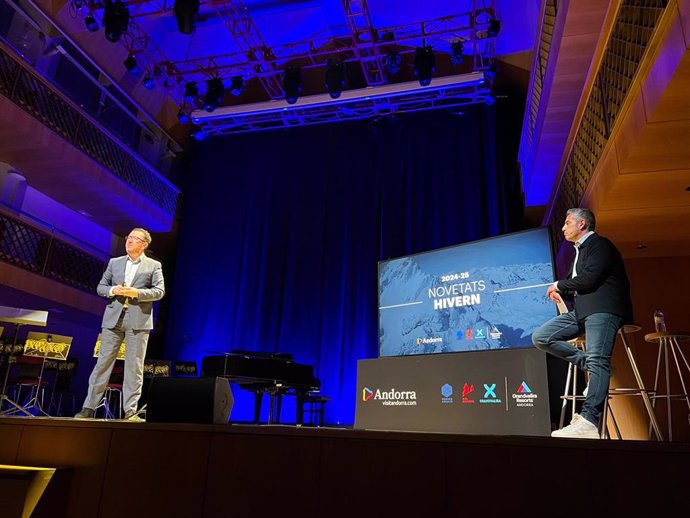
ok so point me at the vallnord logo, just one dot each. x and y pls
(392, 397)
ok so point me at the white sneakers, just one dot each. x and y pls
(579, 428)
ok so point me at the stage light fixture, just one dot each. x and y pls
(457, 49)
(191, 91)
(237, 86)
(149, 82)
(391, 63)
(131, 65)
(494, 27)
(115, 20)
(424, 65)
(186, 12)
(214, 94)
(91, 23)
(182, 116)
(292, 84)
(335, 78)
(490, 73)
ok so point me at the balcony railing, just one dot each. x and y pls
(44, 102)
(43, 253)
(632, 30)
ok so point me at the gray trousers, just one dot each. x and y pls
(135, 341)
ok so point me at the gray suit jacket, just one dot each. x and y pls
(149, 282)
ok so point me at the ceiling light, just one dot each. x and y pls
(91, 23)
(335, 78)
(182, 116)
(457, 49)
(131, 65)
(292, 84)
(490, 73)
(237, 86)
(149, 82)
(391, 63)
(191, 91)
(186, 12)
(424, 65)
(214, 94)
(115, 20)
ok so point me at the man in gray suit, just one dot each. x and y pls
(131, 283)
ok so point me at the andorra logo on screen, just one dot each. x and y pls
(434, 340)
(392, 397)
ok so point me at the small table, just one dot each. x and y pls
(670, 341)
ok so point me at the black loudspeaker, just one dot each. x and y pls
(189, 400)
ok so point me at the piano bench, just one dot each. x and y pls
(313, 405)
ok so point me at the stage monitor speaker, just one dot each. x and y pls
(189, 400)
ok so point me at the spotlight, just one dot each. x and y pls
(182, 116)
(335, 78)
(214, 94)
(186, 12)
(91, 23)
(149, 82)
(424, 65)
(237, 86)
(131, 65)
(490, 100)
(292, 84)
(391, 63)
(199, 135)
(494, 27)
(490, 73)
(191, 91)
(115, 20)
(456, 52)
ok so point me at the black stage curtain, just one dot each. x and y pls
(282, 230)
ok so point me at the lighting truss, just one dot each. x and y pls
(445, 92)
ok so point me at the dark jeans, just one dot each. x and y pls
(600, 335)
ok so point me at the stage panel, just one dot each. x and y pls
(502, 392)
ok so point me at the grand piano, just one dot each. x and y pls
(275, 374)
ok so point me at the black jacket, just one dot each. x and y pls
(601, 285)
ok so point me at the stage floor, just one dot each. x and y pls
(116, 468)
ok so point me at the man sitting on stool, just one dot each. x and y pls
(132, 283)
(600, 290)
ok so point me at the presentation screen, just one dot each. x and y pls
(484, 295)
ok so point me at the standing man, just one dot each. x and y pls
(131, 283)
(600, 291)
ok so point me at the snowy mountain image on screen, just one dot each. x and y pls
(499, 321)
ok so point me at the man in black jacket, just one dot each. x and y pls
(600, 291)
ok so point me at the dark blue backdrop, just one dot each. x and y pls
(282, 230)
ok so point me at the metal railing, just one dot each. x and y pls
(32, 94)
(43, 253)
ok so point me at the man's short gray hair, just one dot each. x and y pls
(147, 236)
(585, 215)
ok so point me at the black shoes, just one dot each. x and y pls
(84, 413)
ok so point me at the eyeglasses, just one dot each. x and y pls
(136, 238)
